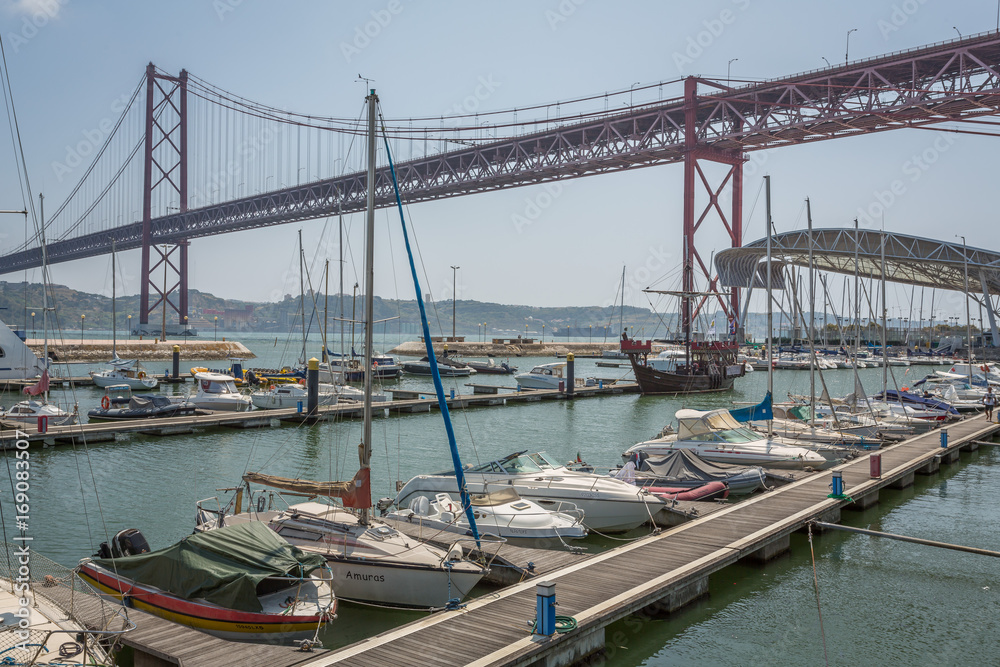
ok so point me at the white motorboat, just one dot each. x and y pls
(29, 412)
(502, 512)
(715, 435)
(217, 391)
(291, 395)
(446, 367)
(545, 376)
(124, 371)
(608, 504)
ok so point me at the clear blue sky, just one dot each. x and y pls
(68, 72)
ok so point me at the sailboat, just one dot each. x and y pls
(32, 410)
(121, 371)
(370, 560)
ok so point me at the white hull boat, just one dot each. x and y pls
(502, 513)
(608, 505)
(291, 395)
(217, 391)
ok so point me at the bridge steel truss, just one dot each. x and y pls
(957, 80)
(910, 260)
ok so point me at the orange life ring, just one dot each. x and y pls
(105, 402)
(271, 387)
(142, 374)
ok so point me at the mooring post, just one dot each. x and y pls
(570, 380)
(545, 608)
(177, 361)
(944, 438)
(312, 386)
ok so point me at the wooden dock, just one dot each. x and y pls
(652, 575)
(414, 402)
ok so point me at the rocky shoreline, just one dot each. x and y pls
(97, 351)
(416, 348)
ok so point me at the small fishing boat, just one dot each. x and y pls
(241, 582)
(119, 404)
(502, 512)
(217, 391)
(124, 371)
(291, 395)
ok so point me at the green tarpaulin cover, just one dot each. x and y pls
(222, 566)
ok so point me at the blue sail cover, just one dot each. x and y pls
(760, 412)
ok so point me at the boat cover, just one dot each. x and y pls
(223, 566)
(684, 465)
(760, 412)
(893, 396)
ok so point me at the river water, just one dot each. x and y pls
(882, 602)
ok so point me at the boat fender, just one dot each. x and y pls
(261, 503)
(105, 402)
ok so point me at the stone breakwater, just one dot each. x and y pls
(513, 349)
(97, 351)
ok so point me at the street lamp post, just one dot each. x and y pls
(215, 336)
(543, 333)
(848, 49)
(82, 318)
(186, 336)
(33, 334)
(591, 334)
(130, 327)
(729, 68)
(454, 297)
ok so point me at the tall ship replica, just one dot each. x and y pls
(704, 366)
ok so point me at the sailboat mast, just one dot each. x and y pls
(326, 307)
(770, 309)
(812, 315)
(885, 311)
(114, 294)
(340, 291)
(621, 309)
(857, 294)
(366, 438)
(45, 288)
(302, 296)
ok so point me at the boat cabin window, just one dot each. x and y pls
(210, 387)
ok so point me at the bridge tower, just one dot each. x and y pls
(695, 152)
(165, 181)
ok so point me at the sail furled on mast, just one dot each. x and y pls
(355, 494)
(438, 387)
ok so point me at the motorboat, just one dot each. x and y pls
(490, 367)
(241, 582)
(502, 512)
(715, 435)
(370, 561)
(119, 404)
(608, 504)
(217, 391)
(31, 410)
(343, 368)
(446, 367)
(685, 469)
(544, 376)
(124, 371)
(291, 395)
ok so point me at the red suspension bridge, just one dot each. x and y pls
(196, 160)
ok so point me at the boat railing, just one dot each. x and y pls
(52, 585)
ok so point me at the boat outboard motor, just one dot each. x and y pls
(251, 378)
(128, 542)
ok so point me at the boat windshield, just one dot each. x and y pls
(210, 387)
(518, 464)
(730, 435)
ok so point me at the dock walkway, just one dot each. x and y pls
(422, 402)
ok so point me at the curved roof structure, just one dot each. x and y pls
(910, 260)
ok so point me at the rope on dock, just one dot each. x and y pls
(822, 632)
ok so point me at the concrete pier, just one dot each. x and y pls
(147, 349)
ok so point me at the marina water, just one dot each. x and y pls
(881, 601)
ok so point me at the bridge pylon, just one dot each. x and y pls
(165, 176)
(695, 151)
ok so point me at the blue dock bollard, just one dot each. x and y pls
(944, 438)
(837, 484)
(453, 393)
(298, 407)
(545, 608)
